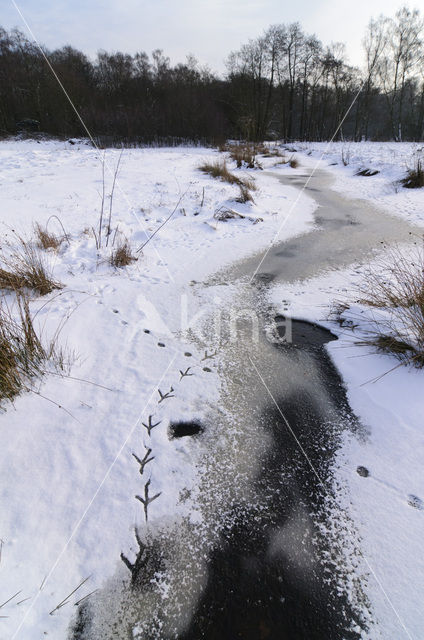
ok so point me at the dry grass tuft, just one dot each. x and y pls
(396, 288)
(245, 195)
(26, 269)
(414, 178)
(219, 169)
(122, 256)
(272, 152)
(11, 281)
(245, 155)
(293, 163)
(45, 239)
(22, 355)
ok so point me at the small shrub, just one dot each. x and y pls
(45, 239)
(414, 178)
(122, 256)
(293, 163)
(26, 268)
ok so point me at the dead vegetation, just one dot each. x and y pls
(223, 214)
(47, 240)
(244, 155)
(394, 288)
(245, 195)
(414, 178)
(26, 268)
(122, 256)
(367, 172)
(345, 156)
(22, 354)
(219, 169)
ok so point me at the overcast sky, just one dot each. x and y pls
(209, 29)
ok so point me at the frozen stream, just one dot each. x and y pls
(272, 556)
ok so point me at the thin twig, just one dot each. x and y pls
(161, 225)
(108, 231)
(95, 237)
(60, 222)
(59, 406)
(95, 384)
(85, 597)
(11, 598)
(103, 200)
(65, 600)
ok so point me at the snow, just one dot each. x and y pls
(390, 159)
(68, 477)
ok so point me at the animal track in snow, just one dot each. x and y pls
(416, 502)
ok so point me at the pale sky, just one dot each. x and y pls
(209, 29)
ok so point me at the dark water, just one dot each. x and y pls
(271, 577)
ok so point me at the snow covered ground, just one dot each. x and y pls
(68, 477)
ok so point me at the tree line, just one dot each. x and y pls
(284, 84)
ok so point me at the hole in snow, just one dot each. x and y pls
(363, 471)
(181, 429)
(416, 502)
